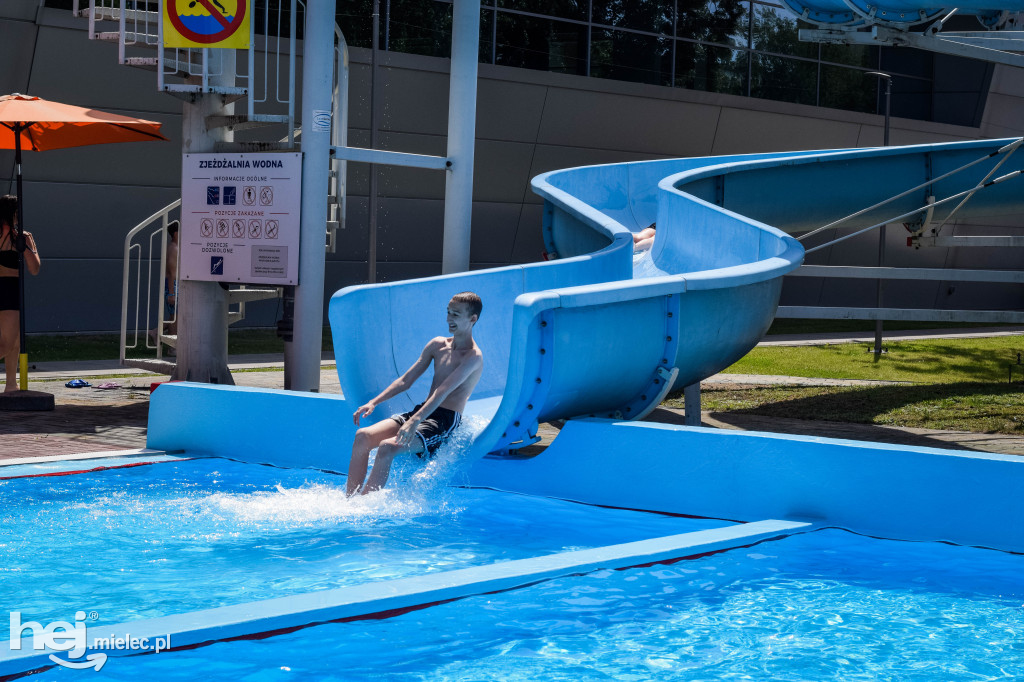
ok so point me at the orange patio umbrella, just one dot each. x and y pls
(36, 124)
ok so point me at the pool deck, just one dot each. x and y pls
(97, 420)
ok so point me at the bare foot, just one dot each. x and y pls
(10, 389)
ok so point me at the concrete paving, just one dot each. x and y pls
(94, 420)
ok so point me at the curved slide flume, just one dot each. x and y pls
(581, 335)
(900, 13)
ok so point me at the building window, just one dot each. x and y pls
(740, 47)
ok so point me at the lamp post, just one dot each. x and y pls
(881, 230)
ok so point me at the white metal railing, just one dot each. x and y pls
(278, 58)
(149, 250)
(268, 86)
(337, 187)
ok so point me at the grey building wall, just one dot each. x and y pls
(80, 203)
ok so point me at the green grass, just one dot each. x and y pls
(973, 407)
(62, 348)
(929, 361)
(955, 384)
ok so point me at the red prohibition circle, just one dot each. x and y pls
(227, 32)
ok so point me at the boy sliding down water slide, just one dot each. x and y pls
(458, 364)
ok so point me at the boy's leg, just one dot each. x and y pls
(367, 439)
(386, 453)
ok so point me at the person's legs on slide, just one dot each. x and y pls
(367, 439)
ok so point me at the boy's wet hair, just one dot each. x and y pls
(473, 301)
(172, 227)
(8, 209)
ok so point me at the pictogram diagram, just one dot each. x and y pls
(244, 209)
(214, 23)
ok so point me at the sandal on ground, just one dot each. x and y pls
(77, 383)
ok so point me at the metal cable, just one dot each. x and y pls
(919, 210)
(1010, 147)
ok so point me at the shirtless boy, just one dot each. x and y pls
(458, 364)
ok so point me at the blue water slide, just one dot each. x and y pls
(580, 336)
(584, 336)
(893, 12)
(597, 332)
(801, 193)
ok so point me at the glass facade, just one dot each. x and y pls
(738, 47)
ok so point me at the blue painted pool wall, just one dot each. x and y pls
(265, 426)
(878, 489)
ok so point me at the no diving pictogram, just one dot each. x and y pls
(221, 27)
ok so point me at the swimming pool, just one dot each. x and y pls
(254, 569)
(824, 605)
(176, 536)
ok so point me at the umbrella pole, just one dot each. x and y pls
(23, 357)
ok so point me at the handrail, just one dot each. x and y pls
(339, 138)
(161, 215)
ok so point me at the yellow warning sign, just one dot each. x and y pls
(206, 23)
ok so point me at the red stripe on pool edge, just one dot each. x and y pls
(89, 471)
(392, 613)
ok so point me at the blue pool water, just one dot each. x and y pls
(827, 605)
(157, 540)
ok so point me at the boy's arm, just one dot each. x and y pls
(458, 376)
(402, 383)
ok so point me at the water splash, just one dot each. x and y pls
(309, 505)
(449, 461)
(416, 488)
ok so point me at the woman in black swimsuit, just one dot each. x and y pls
(10, 338)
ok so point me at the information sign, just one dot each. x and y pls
(240, 218)
(206, 23)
